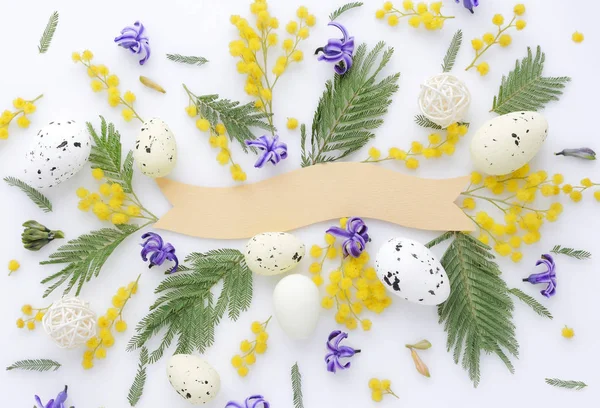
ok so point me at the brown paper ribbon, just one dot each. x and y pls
(314, 194)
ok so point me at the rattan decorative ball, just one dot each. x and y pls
(444, 99)
(70, 322)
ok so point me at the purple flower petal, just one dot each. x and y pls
(338, 51)
(272, 149)
(332, 359)
(135, 40)
(158, 251)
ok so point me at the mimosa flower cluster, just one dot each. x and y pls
(379, 388)
(353, 286)
(103, 80)
(253, 50)
(22, 109)
(514, 197)
(481, 45)
(113, 319)
(111, 203)
(417, 13)
(31, 316)
(250, 348)
(440, 143)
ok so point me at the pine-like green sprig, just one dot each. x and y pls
(452, 52)
(573, 253)
(478, 314)
(343, 9)
(297, 386)
(48, 33)
(42, 364)
(351, 107)
(85, 257)
(571, 385)
(238, 119)
(531, 302)
(186, 310)
(137, 388)
(525, 89)
(34, 195)
(184, 59)
(426, 123)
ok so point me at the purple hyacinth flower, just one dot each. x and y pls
(59, 402)
(255, 401)
(470, 4)
(336, 352)
(355, 236)
(338, 51)
(549, 276)
(135, 40)
(160, 252)
(272, 149)
(582, 153)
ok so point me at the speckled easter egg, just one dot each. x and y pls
(272, 253)
(508, 142)
(58, 151)
(296, 305)
(411, 271)
(193, 378)
(155, 149)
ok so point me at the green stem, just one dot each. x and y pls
(500, 32)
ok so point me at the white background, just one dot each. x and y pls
(201, 27)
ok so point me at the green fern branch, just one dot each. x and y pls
(571, 385)
(343, 9)
(570, 252)
(427, 123)
(525, 89)
(48, 33)
(184, 59)
(185, 310)
(137, 388)
(42, 364)
(297, 386)
(531, 302)
(34, 195)
(478, 314)
(452, 52)
(238, 119)
(351, 108)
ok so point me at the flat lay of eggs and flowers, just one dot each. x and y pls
(295, 204)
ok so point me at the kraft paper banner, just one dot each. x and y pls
(314, 194)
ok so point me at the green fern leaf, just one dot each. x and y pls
(478, 314)
(297, 386)
(351, 108)
(238, 119)
(452, 52)
(343, 9)
(531, 302)
(436, 241)
(570, 252)
(48, 33)
(525, 89)
(85, 257)
(425, 122)
(568, 384)
(42, 364)
(137, 388)
(183, 59)
(34, 195)
(185, 310)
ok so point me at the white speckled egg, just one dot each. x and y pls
(272, 253)
(508, 142)
(155, 149)
(59, 150)
(409, 270)
(193, 378)
(296, 304)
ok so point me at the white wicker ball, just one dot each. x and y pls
(444, 99)
(70, 322)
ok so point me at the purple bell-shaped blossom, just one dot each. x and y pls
(338, 51)
(158, 251)
(355, 236)
(337, 352)
(272, 149)
(58, 402)
(548, 276)
(135, 40)
(469, 4)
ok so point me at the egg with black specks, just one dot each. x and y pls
(58, 151)
(155, 149)
(411, 271)
(193, 378)
(273, 253)
(508, 142)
